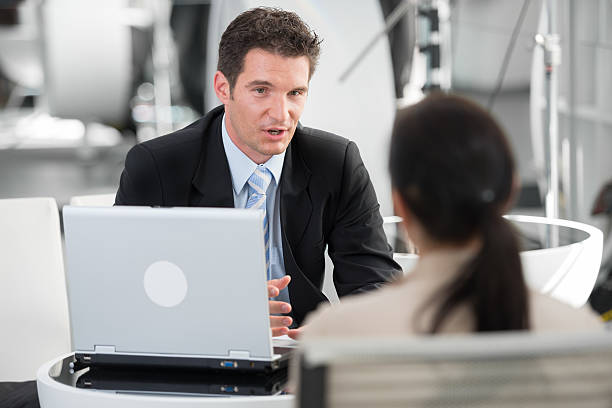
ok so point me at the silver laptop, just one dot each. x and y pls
(168, 287)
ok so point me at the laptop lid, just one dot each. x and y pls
(187, 282)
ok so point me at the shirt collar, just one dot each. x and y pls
(241, 167)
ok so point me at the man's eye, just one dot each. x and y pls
(295, 93)
(260, 90)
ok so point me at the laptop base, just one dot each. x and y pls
(83, 360)
(126, 379)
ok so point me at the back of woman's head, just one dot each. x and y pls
(453, 169)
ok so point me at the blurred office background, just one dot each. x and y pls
(81, 81)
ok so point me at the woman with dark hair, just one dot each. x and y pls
(453, 178)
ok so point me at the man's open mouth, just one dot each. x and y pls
(276, 131)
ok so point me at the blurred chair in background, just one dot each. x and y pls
(566, 271)
(94, 200)
(405, 260)
(404, 251)
(88, 65)
(33, 305)
(88, 58)
(189, 22)
(19, 52)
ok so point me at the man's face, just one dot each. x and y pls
(266, 103)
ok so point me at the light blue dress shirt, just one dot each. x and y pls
(241, 168)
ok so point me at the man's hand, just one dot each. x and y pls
(279, 324)
(295, 334)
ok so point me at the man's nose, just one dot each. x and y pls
(279, 110)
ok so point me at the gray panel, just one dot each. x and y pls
(585, 63)
(481, 32)
(587, 19)
(603, 80)
(220, 252)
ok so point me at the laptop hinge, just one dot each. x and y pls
(104, 349)
(240, 354)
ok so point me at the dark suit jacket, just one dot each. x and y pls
(326, 198)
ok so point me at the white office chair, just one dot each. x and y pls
(94, 200)
(406, 261)
(483, 370)
(566, 270)
(33, 306)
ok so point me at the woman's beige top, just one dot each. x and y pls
(397, 309)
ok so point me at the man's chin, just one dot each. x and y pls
(274, 149)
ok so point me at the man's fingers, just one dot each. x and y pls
(273, 291)
(279, 331)
(280, 321)
(279, 324)
(277, 307)
(295, 333)
(280, 284)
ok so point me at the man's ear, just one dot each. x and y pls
(222, 87)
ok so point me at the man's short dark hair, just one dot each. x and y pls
(271, 29)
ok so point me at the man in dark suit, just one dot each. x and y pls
(251, 152)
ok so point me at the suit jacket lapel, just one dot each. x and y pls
(295, 202)
(296, 211)
(212, 178)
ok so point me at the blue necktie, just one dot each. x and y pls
(258, 184)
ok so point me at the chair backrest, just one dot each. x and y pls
(406, 261)
(484, 370)
(79, 84)
(34, 321)
(566, 271)
(94, 200)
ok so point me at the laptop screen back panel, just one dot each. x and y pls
(178, 281)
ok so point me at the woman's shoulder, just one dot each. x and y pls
(390, 310)
(549, 314)
(370, 313)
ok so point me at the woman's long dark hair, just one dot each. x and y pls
(453, 168)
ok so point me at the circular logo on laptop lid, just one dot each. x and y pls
(165, 284)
